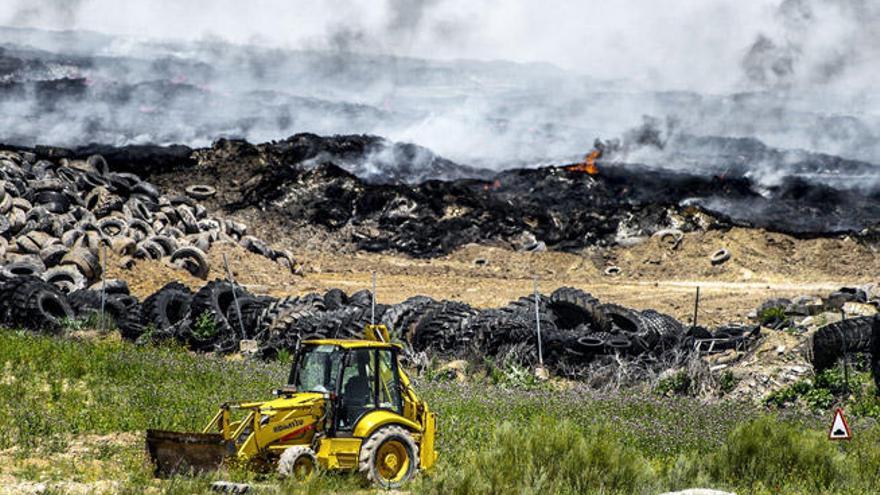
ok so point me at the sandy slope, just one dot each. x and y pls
(653, 275)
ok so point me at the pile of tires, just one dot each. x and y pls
(57, 216)
(575, 327)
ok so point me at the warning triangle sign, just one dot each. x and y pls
(839, 427)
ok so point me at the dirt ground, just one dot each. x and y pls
(652, 274)
(91, 459)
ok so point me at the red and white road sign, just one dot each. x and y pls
(839, 428)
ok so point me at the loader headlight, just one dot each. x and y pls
(264, 420)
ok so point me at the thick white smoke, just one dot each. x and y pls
(692, 44)
(793, 73)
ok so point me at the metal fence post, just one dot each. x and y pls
(373, 302)
(103, 285)
(538, 323)
(845, 354)
(234, 295)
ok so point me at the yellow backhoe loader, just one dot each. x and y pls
(348, 406)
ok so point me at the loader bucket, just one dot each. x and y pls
(187, 453)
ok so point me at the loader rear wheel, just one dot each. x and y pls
(298, 462)
(389, 457)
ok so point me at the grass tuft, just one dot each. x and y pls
(548, 456)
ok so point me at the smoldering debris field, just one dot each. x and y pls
(201, 207)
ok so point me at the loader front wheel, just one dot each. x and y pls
(297, 462)
(389, 457)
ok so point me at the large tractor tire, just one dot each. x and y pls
(362, 298)
(444, 328)
(335, 299)
(213, 300)
(834, 340)
(248, 314)
(298, 462)
(661, 329)
(39, 306)
(168, 308)
(389, 457)
(399, 318)
(358, 319)
(130, 323)
(8, 289)
(84, 301)
(574, 307)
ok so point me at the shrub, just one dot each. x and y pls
(548, 456)
(771, 453)
(863, 461)
(775, 314)
(728, 382)
(205, 326)
(679, 383)
(828, 388)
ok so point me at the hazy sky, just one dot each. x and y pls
(695, 44)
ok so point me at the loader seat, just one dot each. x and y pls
(355, 398)
(357, 390)
(357, 393)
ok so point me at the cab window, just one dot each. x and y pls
(358, 387)
(389, 386)
(317, 369)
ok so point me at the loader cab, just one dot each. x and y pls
(359, 376)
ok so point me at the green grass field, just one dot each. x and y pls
(74, 412)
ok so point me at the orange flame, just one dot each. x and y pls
(588, 166)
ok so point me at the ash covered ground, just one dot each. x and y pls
(414, 202)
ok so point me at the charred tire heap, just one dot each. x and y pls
(57, 216)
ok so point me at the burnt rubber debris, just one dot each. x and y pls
(307, 180)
